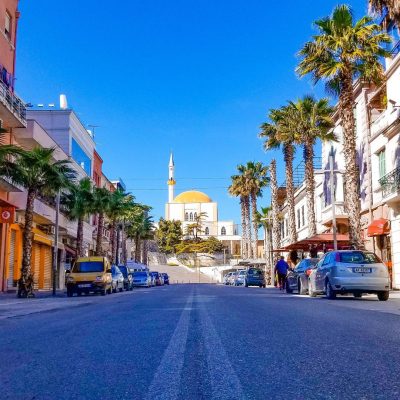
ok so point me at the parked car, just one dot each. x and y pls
(232, 278)
(157, 278)
(240, 278)
(350, 271)
(152, 279)
(89, 274)
(127, 273)
(141, 278)
(255, 277)
(226, 278)
(297, 278)
(166, 278)
(117, 279)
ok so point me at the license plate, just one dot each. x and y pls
(83, 285)
(362, 270)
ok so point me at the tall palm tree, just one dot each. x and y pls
(256, 179)
(276, 231)
(39, 174)
(264, 219)
(343, 50)
(79, 203)
(119, 201)
(280, 133)
(101, 203)
(239, 188)
(311, 119)
(392, 7)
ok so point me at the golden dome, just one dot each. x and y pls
(192, 196)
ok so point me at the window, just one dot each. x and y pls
(186, 216)
(223, 231)
(298, 218)
(195, 215)
(191, 217)
(81, 158)
(207, 231)
(7, 25)
(382, 163)
(303, 220)
(286, 227)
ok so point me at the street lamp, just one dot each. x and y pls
(268, 255)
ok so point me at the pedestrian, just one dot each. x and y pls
(281, 269)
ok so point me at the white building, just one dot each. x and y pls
(186, 206)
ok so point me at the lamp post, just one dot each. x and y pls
(268, 254)
(333, 200)
(55, 248)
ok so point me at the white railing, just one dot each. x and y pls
(384, 120)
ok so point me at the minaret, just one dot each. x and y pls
(171, 180)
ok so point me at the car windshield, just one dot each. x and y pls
(89, 266)
(140, 274)
(308, 262)
(123, 269)
(255, 272)
(358, 257)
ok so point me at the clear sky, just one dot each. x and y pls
(193, 76)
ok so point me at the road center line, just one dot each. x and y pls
(166, 380)
(225, 383)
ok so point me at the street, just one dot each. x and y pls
(203, 342)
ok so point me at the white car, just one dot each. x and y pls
(349, 271)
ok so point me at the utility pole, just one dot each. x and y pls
(333, 200)
(55, 248)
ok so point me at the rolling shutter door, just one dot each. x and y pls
(11, 260)
(35, 264)
(47, 267)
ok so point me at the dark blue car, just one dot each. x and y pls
(254, 277)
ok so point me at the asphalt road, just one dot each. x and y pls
(203, 342)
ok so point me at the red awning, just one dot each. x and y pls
(318, 241)
(379, 227)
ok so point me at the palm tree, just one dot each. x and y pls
(239, 188)
(264, 219)
(256, 178)
(343, 50)
(79, 203)
(119, 202)
(37, 171)
(280, 133)
(392, 7)
(276, 232)
(311, 119)
(101, 203)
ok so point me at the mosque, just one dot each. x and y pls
(186, 206)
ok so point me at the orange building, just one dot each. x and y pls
(12, 115)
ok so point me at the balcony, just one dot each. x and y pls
(12, 108)
(384, 121)
(340, 213)
(390, 185)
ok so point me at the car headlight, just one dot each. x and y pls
(99, 279)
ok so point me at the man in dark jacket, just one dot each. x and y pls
(281, 269)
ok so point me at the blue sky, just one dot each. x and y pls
(193, 76)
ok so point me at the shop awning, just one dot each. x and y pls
(378, 227)
(318, 242)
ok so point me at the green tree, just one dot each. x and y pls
(79, 204)
(343, 50)
(101, 204)
(239, 188)
(38, 172)
(310, 120)
(279, 133)
(256, 177)
(168, 235)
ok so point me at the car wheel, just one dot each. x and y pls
(264, 286)
(103, 292)
(357, 295)
(329, 292)
(114, 289)
(79, 293)
(383, 296)
(121, 289)
(311, 292)
(70, 293)
(288, 289)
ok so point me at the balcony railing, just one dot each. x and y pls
(390, 183)
(13, 102)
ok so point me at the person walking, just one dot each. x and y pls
(281, 269)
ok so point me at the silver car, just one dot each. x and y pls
(240, 279)
(141, 278)
(349, 271)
